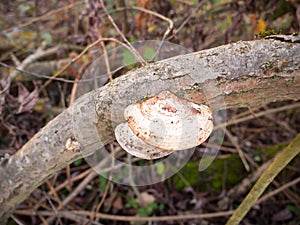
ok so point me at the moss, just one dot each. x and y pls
(270, 151)
(191, 175)
(228, 171)
(265, 33)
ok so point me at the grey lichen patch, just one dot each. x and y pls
(72, 145)
(242, 47)
(274, 66)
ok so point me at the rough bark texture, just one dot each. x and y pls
(236, 75)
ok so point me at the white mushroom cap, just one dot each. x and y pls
(162, 124)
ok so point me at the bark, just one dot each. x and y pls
(242, 74)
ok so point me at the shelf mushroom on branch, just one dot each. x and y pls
(162, 124)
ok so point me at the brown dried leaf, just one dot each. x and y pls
(145, 198)
(118, 203)
(142, 17)
(26, 99)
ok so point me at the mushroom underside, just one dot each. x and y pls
(135, 146)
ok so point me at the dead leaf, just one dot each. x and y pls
(114, 201)
(118, 203)
(142, 17)
(145, 198)
(26, 99)
(258, 24)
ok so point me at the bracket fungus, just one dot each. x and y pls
(162, 124)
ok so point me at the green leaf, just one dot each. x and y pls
(102, 184)
(229, 19)
(149, 53)
(78, 162)
(160, 168)
(47, 37)
(26, 9)
(293, 209)
(128, 58)
(172, 2)
(132, 39)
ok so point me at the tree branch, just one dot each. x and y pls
(242, 74)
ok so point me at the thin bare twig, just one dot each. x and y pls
(278, 190)
(53, 191)
(37, 75)
(63, 185)
(80, 55)
(169, 29)
(86, 180)
(256, 115)
(162, 17)
(128, 218)
(107, 65)
(39, 53)
(239, 150)
(190, 16)
(133, 50)
(100, 203)
(131, 180)
(74, 4)
(17, 221)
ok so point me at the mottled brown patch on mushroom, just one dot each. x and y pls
(169, 108)
(151, 101)
(196, 111)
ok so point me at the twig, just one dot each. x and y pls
(106, 61)
(133, 50)
(87, 179)
(239, 150)
(74, 4)
(131, 181)
(283, 124)
(100, 203)
(162, 17)
(64, 184)
(259, 114)
(39, 53)
(53, 191)
(106, 188)
(76, 81)
(80, 55)
(191, 15)
(79, 187)
(37, 75)
(68, 174)
(122, 4)
(265, 179)
(169, 29)
(128, 218)
(77, 78)
(278, 190)
(17, 221)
